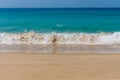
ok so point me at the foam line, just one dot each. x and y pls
(59, 38)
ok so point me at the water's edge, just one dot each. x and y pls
(60, 48)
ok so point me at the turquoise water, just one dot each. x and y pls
(87, 20)
(67, 26)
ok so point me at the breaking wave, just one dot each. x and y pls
(60, 38)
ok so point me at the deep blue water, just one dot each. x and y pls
(44, 20)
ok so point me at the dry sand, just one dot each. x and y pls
(19, 66)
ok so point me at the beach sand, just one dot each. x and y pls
(22, 66)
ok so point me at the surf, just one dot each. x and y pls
(61, 38)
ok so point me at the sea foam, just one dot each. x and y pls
(60, 38)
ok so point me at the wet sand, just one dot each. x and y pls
(21, 66)
(60, 48)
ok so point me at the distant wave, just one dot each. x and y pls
(60, 38)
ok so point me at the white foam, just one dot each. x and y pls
(60, 38)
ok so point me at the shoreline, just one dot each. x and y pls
(60, 48)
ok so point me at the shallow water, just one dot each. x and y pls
(87, 20)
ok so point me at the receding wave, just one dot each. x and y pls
(59, 38)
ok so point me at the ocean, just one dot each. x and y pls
(67, 25)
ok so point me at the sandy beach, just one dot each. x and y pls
(21, 66)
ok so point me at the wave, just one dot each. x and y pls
(60, 38)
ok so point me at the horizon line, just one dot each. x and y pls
(58, 7)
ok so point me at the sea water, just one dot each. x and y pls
(67, 25)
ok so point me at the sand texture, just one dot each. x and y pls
(21, 66)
